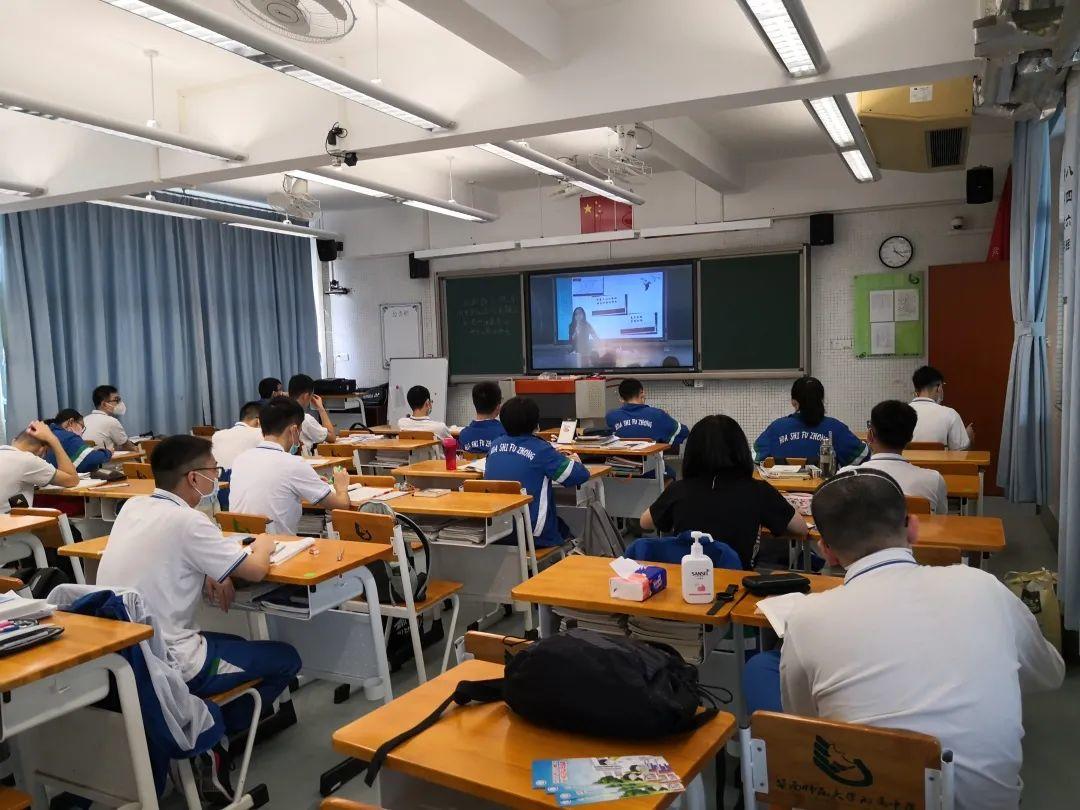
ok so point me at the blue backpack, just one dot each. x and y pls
(673, 549)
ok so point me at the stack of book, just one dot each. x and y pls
(686, 639)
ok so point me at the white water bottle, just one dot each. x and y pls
(697, 573)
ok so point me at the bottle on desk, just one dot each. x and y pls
(697, 573)
(450, 448)
(827, 458)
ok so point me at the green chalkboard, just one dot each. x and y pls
(751, 313)
(483, 324)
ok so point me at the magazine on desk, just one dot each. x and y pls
(602, 779)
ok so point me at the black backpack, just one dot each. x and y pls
(582, 681)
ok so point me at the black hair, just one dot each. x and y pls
(300, 384)
(417, 396)
(630, 388)
(486, 396)
(66, 415)
(102, 393)
(717, 446)
(671, 361)
(249, 410)
(279, 414)
(520, 416)
(810, 394)
(176, 456)
(926, 377)
(574, 326)
(893, 423)
(861, 511)
(268, 386)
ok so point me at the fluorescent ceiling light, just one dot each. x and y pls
(829, 112)
(100, 123)
(706, 227)
(226, 33)
(338, 182)
(13, 189)
(519, 152)
(856, 162)
(284, 228)
(791, 38)
(152, 206)
(132, 206)
(603, 188)
(579, 239)
(521, 160)
(465, 250)
(439, 209)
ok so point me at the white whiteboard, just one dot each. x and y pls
(430, 372)
(402, 331)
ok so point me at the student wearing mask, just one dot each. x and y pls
(937, 422)
(269, 479)
(419, 399)
(244, 435)
(269, 387)
(103, 426)
(801, 434)
(314, 431)
(636, 420)
(169, 551)
(888, 433)
(22, 466)
(478, 435)
(524, 457)
(944, 651)
(718, 493)
(68, 427)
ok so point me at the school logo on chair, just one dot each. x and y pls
(838, 766)
(362, 533)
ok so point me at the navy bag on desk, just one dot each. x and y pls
(673, 549)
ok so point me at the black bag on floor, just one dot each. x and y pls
(41, 581)
(588, 683)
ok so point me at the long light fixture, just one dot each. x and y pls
(9, 188)
(442, 209)
(131, 206)
(226, 33)
(328, 179)
(784, 25)
(521, 160)
(572, 174)
(859, 166)
(832, 114)
(49, 110)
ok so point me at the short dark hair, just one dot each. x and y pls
(630, 388)
(810, 394)
(300, 384)
(249, 410)
(66, 415)
(417, 396)
(717, 445)
(926, 377)
(520, 416)
(176, 456)
(893, 423)
(268, 386)
(26, 437)
(486, 396)
(279, 414)
(102, 393)
(861, 511)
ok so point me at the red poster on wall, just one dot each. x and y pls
(600, 214)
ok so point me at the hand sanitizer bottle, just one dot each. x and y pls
(697, 573)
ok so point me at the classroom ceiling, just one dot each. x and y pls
(557, 73)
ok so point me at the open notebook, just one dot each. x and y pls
(285, 550)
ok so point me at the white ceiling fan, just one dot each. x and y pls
(316, 21)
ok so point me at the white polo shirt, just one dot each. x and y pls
(440, 429)
(104, 430)
(939, 423)
(268, 481)
(228, 444)
(944, 651)
(164, 549)
(915, 481)
(20, 472)
(312, 432)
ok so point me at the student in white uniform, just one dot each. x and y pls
(419, 399)
(244, 435)
(172, 553)
(944, 651)
(889, 431)
(270, 480)
(314, 431)
(103, 428)
(937, 422)
(22, 466)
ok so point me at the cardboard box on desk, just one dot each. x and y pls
(634, 582)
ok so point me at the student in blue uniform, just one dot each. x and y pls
(532, 461)
(636, 420)
(68, 427)
(801, 434)
(486, 427)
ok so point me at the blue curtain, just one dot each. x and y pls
(183, 316)
(1023, 468)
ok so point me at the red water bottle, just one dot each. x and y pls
(450, 446)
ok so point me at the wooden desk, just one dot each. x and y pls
(422, 473)
(625, 495)
(20, 524)
(964, 532)
(17, 537)
(964, 487)
(980, 458)
(120, 456)
(595, 449)
(486, 751)
(387, 430)
(744, 611)
(476, 505)
(365, 452)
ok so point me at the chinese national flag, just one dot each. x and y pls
(999, 238)
(601, 214)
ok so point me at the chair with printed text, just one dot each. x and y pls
(138, 470)
(937, 555)
(239, 522)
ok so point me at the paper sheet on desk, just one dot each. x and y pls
(476, 465)
(84, 483)
(358, 493)
(778, 609)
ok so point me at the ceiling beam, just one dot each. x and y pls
(685, 145)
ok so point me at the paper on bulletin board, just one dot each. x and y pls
(888, 314)
(881, 306)
(883, 338)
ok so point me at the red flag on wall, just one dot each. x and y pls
(999, 237)
(600, 214)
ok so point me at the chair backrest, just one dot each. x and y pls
(500, 487)
(335, 803)
(367, 527)
(472, 456)
(148, 445)
(206, 431)
(925, 446)
(50, 535)
(814, 763)
(917, 505)
(137, 469)
(10, 584)
(937, 555)
(423, 435)
(337, 450)
(492, 646)
(950, 467)
(772, 462)
(373, 480)
(90, 442)
(239, 522)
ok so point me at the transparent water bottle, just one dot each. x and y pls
(827, 458)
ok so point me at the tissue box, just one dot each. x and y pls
(640, 585)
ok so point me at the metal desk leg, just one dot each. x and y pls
(24, 541)
(133, 727)
(982, 493)
(548, 621)
(526, 555)
(738, 636)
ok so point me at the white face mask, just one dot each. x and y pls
(208, 498)
(119, 409)
(78, 430)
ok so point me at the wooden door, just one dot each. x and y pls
(970, 341)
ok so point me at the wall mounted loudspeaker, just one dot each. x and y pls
(980, 185)
(418, 268)
(328, 249)
(821, 229)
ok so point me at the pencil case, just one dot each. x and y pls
(776, 584)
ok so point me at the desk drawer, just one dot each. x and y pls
(337, 645)
(52, 697)
(320, 598)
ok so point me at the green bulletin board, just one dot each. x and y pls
(889, 315)
(483, 324)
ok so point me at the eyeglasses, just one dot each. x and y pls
(220, 470)
(116, 401)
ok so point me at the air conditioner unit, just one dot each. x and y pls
(919, 128)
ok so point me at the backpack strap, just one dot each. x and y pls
(466, 692)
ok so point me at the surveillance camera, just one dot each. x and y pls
(957, 223)
(335, 288)
(349, 158)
